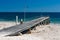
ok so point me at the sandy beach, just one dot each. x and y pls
(6, 24)
(42, 32)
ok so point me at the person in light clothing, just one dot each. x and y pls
(21, 22)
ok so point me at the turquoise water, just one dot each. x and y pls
(55, 20)
(11, 16)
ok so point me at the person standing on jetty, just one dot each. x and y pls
(21, 21)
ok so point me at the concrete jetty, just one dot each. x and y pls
(27, 26)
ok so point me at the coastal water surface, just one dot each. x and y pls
(11, 16)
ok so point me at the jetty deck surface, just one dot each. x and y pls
(21, 27)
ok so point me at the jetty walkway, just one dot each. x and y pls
(13, 30)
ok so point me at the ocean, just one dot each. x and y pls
(11, 16)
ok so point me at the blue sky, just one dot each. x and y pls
(30, 5)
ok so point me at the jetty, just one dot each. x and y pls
(25, 27)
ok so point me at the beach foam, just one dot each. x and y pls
(48, 32)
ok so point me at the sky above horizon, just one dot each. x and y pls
(30, 5)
